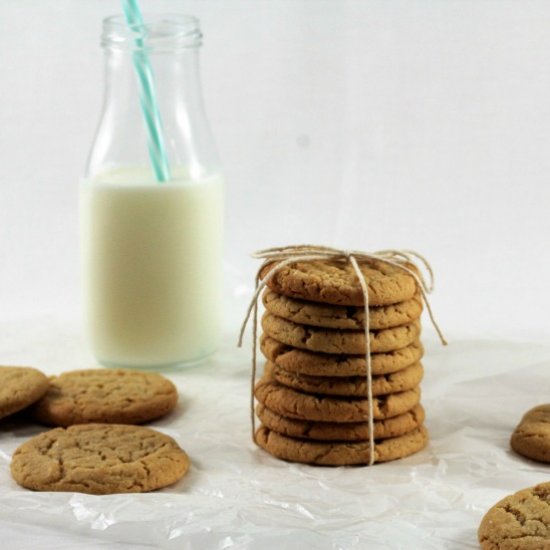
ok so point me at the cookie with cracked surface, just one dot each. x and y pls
(531, 438)
(304, 406)
(335, 282)
(354, 386)
(518, 522)
(99, 459)
(323, 364)
(337, 341)
(334, 431)
(342, 317)
(340, 453)
(19, 388)
(115, 396)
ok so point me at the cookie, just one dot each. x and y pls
(339, 454)
(334, 431)
(342, 317)
(531, 438)
(335, 282)
(303, 406)
(322, 364)
(19, 388)
(99, 459)
(518, 522)
(115, 396)
(338, 341)
(355, 386)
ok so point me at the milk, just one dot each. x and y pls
(152, 268)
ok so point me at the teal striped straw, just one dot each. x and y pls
(147, 95)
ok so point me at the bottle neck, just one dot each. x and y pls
(176, 78)
(122, 136)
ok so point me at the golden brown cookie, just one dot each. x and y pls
(341, 317)
(531, 438)
(348, 431)
(115, 396)
(303, 406)
(355, 386)
(339, 454)
(518, 522)
(323, 364)
(19, 388)
(99, 459)
(335, 282)
(338, 341)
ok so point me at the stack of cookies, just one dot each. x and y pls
(312, 398)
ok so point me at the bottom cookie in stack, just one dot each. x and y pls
(324, 453)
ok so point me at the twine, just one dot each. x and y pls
(284, 256)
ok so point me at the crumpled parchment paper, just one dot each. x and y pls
(236, 496)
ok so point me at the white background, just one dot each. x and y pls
(359, 124)
(369, 125)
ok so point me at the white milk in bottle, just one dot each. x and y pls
(151, 259)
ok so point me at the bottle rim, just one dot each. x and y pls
(166, 32)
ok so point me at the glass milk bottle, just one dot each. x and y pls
(151, 251)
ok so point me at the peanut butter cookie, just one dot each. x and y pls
(115, 396)
(355, 386)
(99, 459)
(303, 406)
(338, 341)
(335, 431)
(339, 454)
(518, 522)
(323, 364)
(19, 388)
(531, 438)
(335, 282)
(333, 316)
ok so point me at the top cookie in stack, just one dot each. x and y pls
(313, 395)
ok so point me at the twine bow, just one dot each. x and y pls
(284, 256)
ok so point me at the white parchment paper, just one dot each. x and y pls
(237, 496)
